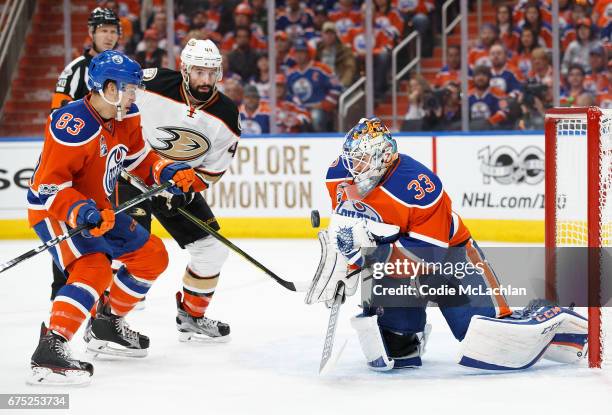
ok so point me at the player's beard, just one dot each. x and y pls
(201, 95)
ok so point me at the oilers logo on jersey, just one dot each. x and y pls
(114, 166)
(302, 88)
(358, 210)
(182, 144)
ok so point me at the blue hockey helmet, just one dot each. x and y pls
(115, 66)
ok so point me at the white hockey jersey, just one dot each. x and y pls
(205, 137)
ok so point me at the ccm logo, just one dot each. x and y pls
(551, 328)
(548, 314)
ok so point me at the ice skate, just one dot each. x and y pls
(111, 335)
(202, 329)
(53, 365)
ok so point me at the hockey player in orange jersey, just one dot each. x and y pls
(87, 144)
(387, 207)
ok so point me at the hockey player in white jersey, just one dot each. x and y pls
(186, 118)
(398, 209)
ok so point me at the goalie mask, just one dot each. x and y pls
(205, 57)
(368, 151)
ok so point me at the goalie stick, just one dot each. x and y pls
(327, 363)
(51, 243)
(291, 286)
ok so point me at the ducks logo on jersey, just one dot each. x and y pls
(183, 144)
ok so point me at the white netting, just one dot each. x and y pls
(572, 206)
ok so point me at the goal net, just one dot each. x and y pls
(579, 214)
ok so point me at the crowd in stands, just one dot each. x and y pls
(321, 48)
(510, 68)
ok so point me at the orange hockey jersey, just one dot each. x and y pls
(410, 196)
(82, 158)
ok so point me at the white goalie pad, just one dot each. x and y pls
(332, 268)
(570, 342)
(371, 342)
(374, 350)
(508, 344)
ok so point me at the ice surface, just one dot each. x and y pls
(271, 364)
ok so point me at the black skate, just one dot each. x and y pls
(52, 364)
(201, 329)
(110, 334)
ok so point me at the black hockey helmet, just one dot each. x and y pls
(103, 16)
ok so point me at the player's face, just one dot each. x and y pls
(105, 37)
(362, 163)
(128, 97)
(202, 80)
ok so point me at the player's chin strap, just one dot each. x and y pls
(119, 115)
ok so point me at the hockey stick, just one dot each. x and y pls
(291, 286)
(328, 346)
(72, 232)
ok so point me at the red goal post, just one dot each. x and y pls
(578, 209)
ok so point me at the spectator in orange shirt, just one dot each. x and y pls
(533, 20)
(383, 43)
(200, 22)
(388, 18)
(604, 97)
(602, 13)
(242, 18)
(451, 72)
(479, 55)
(505, 27)
(541, 67)
(596, 79)
(346, 17)
(526, 46)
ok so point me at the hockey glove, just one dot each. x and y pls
(181, 173)
(85, 212)
(168, 205)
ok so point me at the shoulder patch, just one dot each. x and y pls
(73, 125)
(337, 171)
(149, 74)
(413, 184)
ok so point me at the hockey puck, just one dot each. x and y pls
(315, 218)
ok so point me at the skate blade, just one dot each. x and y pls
(44, 376)
(102, 347)
(189, 337)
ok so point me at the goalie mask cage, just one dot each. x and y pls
(578, 210)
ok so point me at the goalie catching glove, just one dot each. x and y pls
(341, 252)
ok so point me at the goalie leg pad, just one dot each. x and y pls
(372, 344)
(513, 343)
(385, 349)
(570, 342)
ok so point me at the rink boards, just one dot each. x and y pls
(496, 183)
